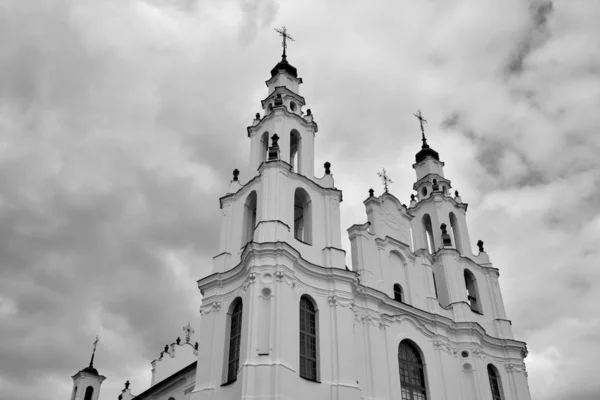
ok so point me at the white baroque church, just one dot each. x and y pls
(417, 317)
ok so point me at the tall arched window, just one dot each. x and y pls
(495, 385)
(398, 293)
(302, 216)
(455, 231)
(472, 292)
(235, 339)
(308, 339)
(295, 150)
(264, 146)
(428, 230)
(89, 392)
(412, 374)
(249, 218)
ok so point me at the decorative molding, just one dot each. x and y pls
(512, 368)
(441, 345)
(335, 203)
(214, 306)
(249, 280)
(225, 209)
(332, 300)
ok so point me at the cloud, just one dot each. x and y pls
(121, 121)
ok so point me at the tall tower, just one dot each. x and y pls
(419, 317)
(87, 382)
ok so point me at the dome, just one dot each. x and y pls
(90, 370)
(426, 152)
(287, 67)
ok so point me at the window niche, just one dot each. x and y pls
(398, 293)
(455, 231)
(234, 319)
(309, 352)
(412, 372)
(472, 292)
(89, 392)
(495, 384)
(249, 217)
(428, 231)
(295, 150)
(302, 216)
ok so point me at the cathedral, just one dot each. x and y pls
(417, 317)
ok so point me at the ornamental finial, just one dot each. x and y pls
(421, 121)
(386, 180)
(285, 37)
(189, 331)
(94, 351)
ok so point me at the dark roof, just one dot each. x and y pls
(426, 152)
(287, 67)
(90, 370)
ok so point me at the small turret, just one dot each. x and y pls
(87, 382)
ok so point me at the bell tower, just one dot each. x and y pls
(87, 382)
(281, 199)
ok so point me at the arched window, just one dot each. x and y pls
(398, 293)
(235, 339)
(249, 218)
(412, 374)
(428, 230)
(454, 231)
(264, 146)
(308, 339)
(295, 150)
(472, 291)
(89, 392)
(302, 216)
(495, 385)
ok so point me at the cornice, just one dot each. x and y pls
(430, 198)
(431, 175)
(282, 90)
(312, 125)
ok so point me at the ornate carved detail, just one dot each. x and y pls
(478, 353)
(250, 280)
(515, 368)
(445, 347)
(279, 275)
(524, 352)
(206, 309)
(333, 301)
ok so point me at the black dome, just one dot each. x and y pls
(90, 370)
(287, 67)
(427, 152)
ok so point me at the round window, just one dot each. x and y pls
(424, 191)
(464, 354)
(293, 106)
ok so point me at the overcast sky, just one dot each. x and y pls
(121, 121)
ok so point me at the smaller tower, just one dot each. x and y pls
(87, 382)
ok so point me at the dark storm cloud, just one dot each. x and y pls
(535, 35)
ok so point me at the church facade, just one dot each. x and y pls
(417, 317)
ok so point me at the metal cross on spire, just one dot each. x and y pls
(386, 179)
(422, 120)
(94, 351)
(188, 332)
(285, 37)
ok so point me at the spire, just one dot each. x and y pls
(90, 368)
(283, 64)
(425, 149)
(94, 352)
